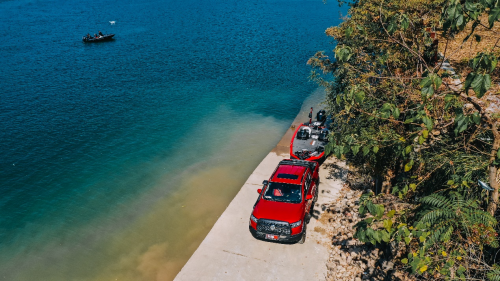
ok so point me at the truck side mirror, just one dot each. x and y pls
(259, 190)
(309, 197)
(265, 182)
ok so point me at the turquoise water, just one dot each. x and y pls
(117, 157)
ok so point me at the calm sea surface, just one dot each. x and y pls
(116, 158)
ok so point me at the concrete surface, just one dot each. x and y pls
(229, 252)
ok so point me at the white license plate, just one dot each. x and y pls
(272, 237)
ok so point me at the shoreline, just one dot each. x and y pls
(229, 251)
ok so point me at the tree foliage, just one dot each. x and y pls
(417, 127)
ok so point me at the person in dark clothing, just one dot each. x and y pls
(100, 33)
(95, 35)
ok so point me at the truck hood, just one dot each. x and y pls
(280, 211)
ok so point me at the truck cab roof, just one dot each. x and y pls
(289, 174)
(292, 171)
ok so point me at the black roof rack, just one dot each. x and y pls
(303, 163)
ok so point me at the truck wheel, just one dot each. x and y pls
(303, 238)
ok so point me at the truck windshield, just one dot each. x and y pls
(283, 192)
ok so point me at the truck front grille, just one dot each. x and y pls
(273, 227)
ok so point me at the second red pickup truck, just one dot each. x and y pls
(283, 207)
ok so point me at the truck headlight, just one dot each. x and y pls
(296, 224)
(252, 218)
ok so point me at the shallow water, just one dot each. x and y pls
(118, 157)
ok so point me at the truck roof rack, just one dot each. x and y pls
(303, 163)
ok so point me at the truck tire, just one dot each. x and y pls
(303, 238)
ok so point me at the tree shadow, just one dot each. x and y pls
(336, 171)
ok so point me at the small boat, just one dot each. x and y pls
(309, 140)
(106, 37)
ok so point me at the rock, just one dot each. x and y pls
(331, 266)
(387, 265)
(349, 260)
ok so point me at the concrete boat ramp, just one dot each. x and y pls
(229, 252)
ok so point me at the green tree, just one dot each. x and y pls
(416, 127)
(394, 108)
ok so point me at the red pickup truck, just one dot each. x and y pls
(284, 204)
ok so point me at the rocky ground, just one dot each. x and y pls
(349, 258)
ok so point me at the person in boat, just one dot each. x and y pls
(88, 36)
(95, 35)
(100, 33)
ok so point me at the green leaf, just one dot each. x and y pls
(476, 118)
(392, 27)
(375, 149)
(427, 91)
(436, 80)
(359, 96)
(413, 186)
(450, 182)
(380, 210)
(405, 22)
(425, 133)
(386, 107)
(452, 12)
(408, 149)
(481, 84)
(462, 123)
(494, 63)
(343, 54)
(366, 150)
(376, 236)
(426, 82)
(404, 261)
(407, 240)
(469, 79)
(494, 16)
(498, 154)
(428, 123)
(355, 149)
(405, 189)
(348, 31)
(422, 239)
(486, 85)
(396, 113)
(470, 7)
(388, 225)
(460, 20)
(421, 140)
(385, 236)
(369, 220)
(408, 166)
(391, 213)
(361, 210)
